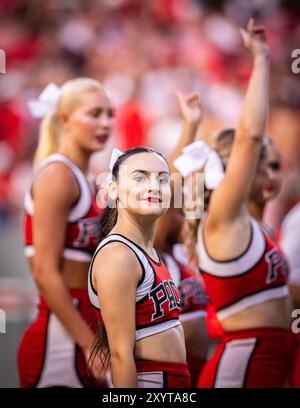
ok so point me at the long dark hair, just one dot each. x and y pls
(108, 221)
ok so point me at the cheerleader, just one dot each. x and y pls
(62, 230)
(245, 273)
(131, 288)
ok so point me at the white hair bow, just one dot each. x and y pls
(46, 103)
(197, 155)
(116, 153)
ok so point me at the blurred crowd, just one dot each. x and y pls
(142, 51)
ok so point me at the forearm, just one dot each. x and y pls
(255, 107)
(123, 371)
(59, 300)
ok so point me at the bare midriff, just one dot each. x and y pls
(272, 313)
(166, 346)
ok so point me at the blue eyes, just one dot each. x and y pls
(162, 180)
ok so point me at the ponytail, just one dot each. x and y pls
(48, 142)
(108, 221)
(190, 234)
(58, 100)
(100, 346)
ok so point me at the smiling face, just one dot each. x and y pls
(89, 123)
(143, 185)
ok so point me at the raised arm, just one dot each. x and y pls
(191, 113)
(230, 198)
(116, 272)
(169, 224)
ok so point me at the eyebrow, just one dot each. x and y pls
(149, 172)
(102, 109)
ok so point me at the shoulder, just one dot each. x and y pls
(56, 181)
(119, 260)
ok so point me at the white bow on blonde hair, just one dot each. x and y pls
(46, 104)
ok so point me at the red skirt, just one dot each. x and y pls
(250, 358)
(48, 356)
(160, 374)
(295, 370)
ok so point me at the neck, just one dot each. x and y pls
(139, 229)
(256, 210)
(76, 155)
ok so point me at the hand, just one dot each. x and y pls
(190, 107)
(254, 38)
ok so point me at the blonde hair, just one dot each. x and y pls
(70, 94)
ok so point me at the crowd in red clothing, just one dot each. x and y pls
(141, 51)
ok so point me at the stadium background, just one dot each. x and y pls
(142, 50)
